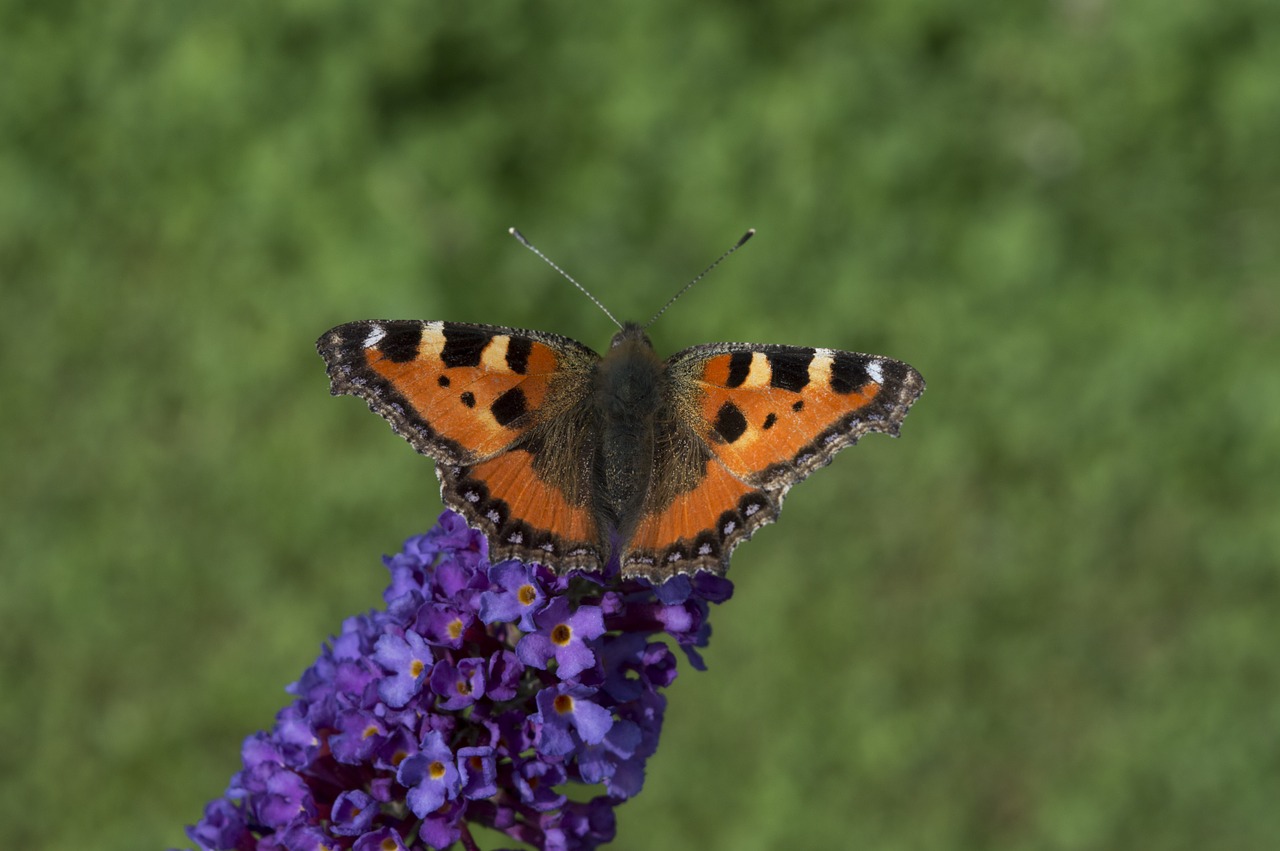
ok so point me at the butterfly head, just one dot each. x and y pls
(631, 335)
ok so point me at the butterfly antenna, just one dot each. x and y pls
(705, 271)
(529, 245)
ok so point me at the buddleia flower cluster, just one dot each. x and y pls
(485, 694)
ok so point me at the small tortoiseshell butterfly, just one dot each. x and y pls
(563, 457)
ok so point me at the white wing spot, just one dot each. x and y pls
(494, 354)
(516, 538)
(759, 373)
(376, 333)
(493, 516)
(673, 557)
(876, 370)
(752, 509)
(704, 550)
(820, 367)
(471, 496)
(729, 527)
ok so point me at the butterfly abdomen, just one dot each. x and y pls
(627, 396)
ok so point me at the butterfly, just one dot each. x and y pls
(564, 457)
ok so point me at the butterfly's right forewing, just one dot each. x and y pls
(501, 410)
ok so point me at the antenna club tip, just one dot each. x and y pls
(518, 235)
(750, 233)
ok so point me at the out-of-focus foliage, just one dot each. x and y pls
(1044, 618)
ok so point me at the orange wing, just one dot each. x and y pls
(498, 409)
(761, 419)
(774, 414)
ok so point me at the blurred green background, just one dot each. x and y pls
(1045, 618)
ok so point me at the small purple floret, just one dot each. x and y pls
(430, 775)
(461, 685)
(567, 709)
(353, 812)
(518, 598)
(479, 771)
(408, 659)
(564, 635)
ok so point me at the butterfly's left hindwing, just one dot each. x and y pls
(499, 411)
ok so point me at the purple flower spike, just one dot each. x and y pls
(431, 775)
(563, 636)
(438, 713)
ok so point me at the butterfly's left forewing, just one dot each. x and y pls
(764, 417)
(774, 414)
